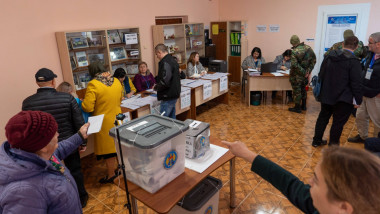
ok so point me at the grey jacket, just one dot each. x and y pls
(191, 69)
(250, 62)
(279, 61)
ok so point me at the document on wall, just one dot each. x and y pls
(207, 90)
(95, 124)
(261, 28)
(201, 164)
(223, 84)
(335, 27)
(185, 97)
(274, 28)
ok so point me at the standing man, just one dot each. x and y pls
(67, 113)
(168, 83)
(370, 108)
(360, 52)
(341, 85)
(302, 63)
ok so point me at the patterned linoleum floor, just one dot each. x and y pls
(269, 129)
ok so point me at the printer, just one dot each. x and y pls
(217, 66)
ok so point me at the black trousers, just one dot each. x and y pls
(72, 162)
(340, 112)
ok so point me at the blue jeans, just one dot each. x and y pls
(168, 106)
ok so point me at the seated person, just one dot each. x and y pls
(128, 87)
(182, 74)
(253, 61)
(345, 180)
(144, 80)
(33, 178)
(194, 67)
(283, 63)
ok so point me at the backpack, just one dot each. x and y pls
(316, 84)
(316, 81)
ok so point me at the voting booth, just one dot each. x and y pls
(153, 149)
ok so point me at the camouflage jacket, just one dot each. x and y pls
(360, 52)
(302, 60)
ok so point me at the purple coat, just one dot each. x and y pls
(142, 82)
(30, 184)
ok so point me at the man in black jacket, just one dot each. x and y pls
(371, 92)
(168, 83)
(340, 92)
(66, 112)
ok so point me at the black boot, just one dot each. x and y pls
(296, 109)
(303, 105)
(317, 143)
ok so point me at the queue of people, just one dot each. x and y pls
(42, 134)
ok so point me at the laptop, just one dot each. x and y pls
(269, 67)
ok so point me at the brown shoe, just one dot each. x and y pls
(356, 139)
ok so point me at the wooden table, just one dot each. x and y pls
(266, 82)
(166, 198)
(197, 97)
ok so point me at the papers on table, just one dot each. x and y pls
(277, 74)
(284, 72)
(251, 69)
(254, 73)
(137, 102)
(95, 124)
(201, 164)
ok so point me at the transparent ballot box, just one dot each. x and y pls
(197, 139)
(153, 150)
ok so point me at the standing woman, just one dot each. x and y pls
(283, 63)
(194, 67)
(128, 87)
(103, 96)
(253, 61)
(144, 79)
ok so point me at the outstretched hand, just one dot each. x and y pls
(239, 149)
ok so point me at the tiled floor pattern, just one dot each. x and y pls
(269, 129)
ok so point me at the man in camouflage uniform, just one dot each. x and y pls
(302, 63)
(360, 52)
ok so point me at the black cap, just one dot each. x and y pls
(44, 75)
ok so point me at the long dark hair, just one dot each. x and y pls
(287, 53)
(258, 50)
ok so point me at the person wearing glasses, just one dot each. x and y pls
(369, 109)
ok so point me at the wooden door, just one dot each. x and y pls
(219, 38)
(234, 69)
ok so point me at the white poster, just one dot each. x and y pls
(185, 98)
(223, 83)
(274, 28)
(207, 90)
(131, 39)
(336, 25)
(261, 28)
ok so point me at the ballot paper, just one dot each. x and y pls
(284, 72)
(95, 124)
(201, 164)
(276, 74)
(251, 69)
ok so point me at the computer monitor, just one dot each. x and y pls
(269, 67)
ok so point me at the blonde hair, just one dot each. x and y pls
(65, 87)
(352, 175)
(192, 58)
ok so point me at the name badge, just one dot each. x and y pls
(368, 74)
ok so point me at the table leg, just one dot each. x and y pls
(232, 183)
(135, 209)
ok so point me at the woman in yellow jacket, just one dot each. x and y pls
(103, 96)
